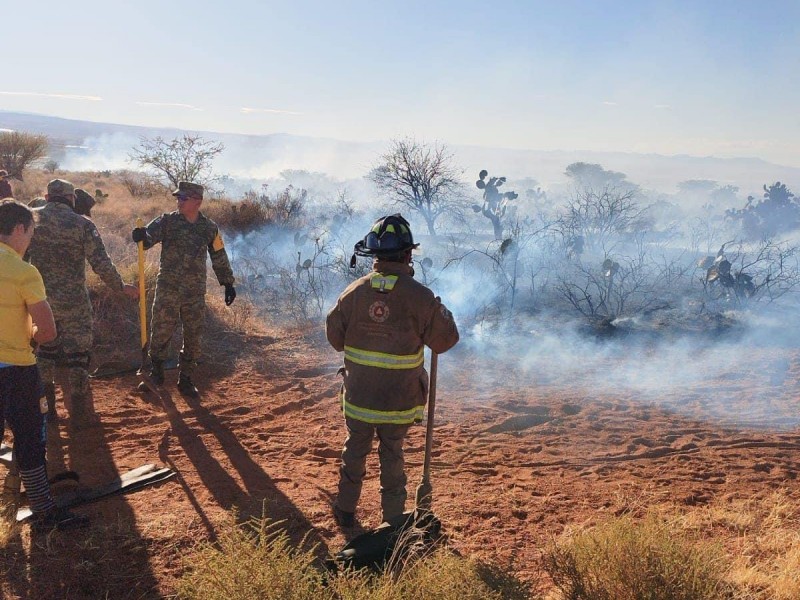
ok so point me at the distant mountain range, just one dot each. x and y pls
(86, 145)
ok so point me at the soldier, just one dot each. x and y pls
(83, 202)
(37, 202)
(5, 186)
(62, 244)
(382, 322)
(185, 235)
(25, 320)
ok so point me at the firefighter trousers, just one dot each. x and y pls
(354, 459)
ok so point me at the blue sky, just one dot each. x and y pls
(699, 78)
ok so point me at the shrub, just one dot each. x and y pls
(627, 560)
(237, 217)
(19, 150)
(140, 185)
(255, 560)
(776, 213)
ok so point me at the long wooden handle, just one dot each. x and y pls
(426, 467)
(142, 292)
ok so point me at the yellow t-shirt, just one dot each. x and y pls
(21, 285)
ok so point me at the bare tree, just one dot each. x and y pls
(421, 177)
(18, 150)
(596, 218)
(614, 289)
(185, 158)
(764, 272)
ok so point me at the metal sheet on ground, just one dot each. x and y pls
(5, 455)
(129, 482)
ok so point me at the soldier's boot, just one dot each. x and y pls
(186, 387)
(157, 371)
(155, 375)
(81, 410)
(50, 395)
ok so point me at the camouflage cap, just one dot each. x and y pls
(186, 188)
(59, 187)
(84, 202)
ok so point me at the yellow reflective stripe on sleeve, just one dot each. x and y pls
(383, 360)
(383, 282)
(379, 417)
(217, 244)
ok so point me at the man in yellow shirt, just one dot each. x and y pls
(25, 321)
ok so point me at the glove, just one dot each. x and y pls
(230, 294)
(139, 234)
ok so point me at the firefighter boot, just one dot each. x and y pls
(186, 387)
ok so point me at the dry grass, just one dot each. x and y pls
(243, 216)
(762, 538)
(740, 549)
(8, 528)
(624, 559)
(256, 560)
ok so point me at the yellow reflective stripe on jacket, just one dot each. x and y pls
(394, 417)
(383, 360)
(383, 282)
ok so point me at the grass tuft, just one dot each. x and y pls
(623, 559)
(256, 560)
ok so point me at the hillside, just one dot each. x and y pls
(88, 145)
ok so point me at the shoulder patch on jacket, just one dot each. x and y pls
(217, 244)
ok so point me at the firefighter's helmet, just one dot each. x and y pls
(389, 236)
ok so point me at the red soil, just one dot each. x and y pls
(512, 467)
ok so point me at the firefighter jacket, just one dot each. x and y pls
(382, 322)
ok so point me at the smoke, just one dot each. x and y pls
(715, 358)
(108, 152)
(667, 340)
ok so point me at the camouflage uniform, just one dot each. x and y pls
(181, 284)
(62, 243)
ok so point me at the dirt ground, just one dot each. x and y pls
(516, 460)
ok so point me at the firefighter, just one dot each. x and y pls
(381, 322)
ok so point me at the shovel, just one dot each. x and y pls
(424, 497)
(142, 372)
(374, 549)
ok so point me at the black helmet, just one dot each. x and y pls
(389, 236)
